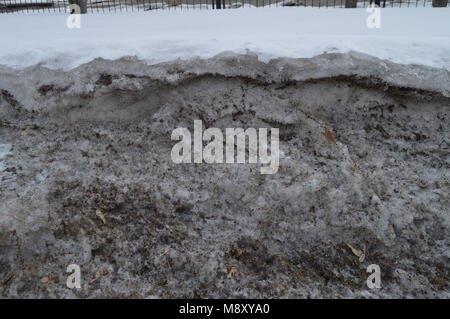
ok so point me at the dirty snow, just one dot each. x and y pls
(101, 140)
(4, 151)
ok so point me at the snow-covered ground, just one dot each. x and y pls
(415, 35)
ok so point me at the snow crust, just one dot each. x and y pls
(407, 36)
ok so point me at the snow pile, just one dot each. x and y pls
(418, 36)
(99, 137)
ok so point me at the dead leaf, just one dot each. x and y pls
(53, 277)
(329, 136)
(237, 252)
(25, 133)
(15, 217)
(165, 252)
(440, 281)
(100, 214)
(231, 271)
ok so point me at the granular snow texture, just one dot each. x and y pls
(98, 138)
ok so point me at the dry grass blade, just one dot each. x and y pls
(46, 280)
(165, 252)
(100, 214)
(169, 228)
(100, 274)
(354, 250)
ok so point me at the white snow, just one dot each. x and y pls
(407, 35)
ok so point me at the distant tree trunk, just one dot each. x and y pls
(218, 4)
(350, 3)
(81, 3)
(440, 3)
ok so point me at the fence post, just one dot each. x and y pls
(378, 3)
(350, 3)
(81, 3)
(439, 3)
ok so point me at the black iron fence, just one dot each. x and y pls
(34, 6)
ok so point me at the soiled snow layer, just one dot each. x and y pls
(98, 137)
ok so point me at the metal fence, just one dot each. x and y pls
(105, 6)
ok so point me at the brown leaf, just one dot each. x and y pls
(329, 136)
(440, 281)
(231, 271)
(237, 252)
(25, 133)
(55, 276)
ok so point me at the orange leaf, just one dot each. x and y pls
(329, 136)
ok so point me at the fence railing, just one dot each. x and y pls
(105, 6)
